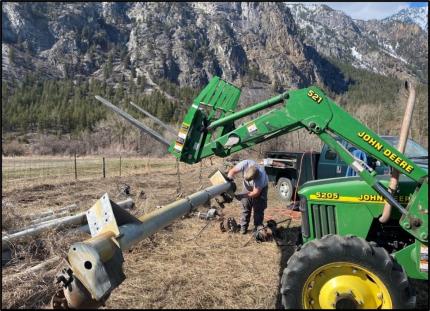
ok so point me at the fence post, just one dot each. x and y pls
(104, 171)
(147, 165)
(119, 166)
(76, 171)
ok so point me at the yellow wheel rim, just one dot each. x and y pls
(345, 285)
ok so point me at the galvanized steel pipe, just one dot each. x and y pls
(50, 217)
(78, 219)
(69, 208)
(160, 218)
(55, 223)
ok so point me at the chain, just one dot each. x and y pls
(208, 222)
(179, 184)
(200, 175)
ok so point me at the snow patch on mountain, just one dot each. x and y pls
(356, 54)
(390, 51)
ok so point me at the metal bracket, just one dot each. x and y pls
(100, 217)
(106, 216)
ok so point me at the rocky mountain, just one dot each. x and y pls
(388, 47)
(185, 43)
(417, 16)
(280, 44)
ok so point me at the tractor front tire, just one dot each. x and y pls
(344, 272)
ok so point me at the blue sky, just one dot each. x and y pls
(371, 10)
(418, 4)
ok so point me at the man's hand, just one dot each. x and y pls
(231, 173)
(255, 192)
(241, 196)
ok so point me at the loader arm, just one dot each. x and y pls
(306, 108)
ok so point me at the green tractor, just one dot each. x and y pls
(350, 255)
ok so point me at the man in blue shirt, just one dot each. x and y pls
(255, 182)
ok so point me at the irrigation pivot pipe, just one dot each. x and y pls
(38, 228)
(404, 130)
(51, 217)
(93, 268)
(69, 208)
(78, 219)
(132, 233)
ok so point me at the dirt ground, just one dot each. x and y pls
(175, 268)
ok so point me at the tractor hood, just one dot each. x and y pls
(354, 190)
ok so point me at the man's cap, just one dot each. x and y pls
(251, 173)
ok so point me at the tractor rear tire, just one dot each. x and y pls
(344, 272)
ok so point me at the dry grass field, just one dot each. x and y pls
(169, 270)
(174, 268)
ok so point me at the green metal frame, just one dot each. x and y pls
(204, 134)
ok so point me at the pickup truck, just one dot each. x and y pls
(287, 171)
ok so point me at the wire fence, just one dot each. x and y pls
(42, 169)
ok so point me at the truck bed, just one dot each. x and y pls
(291, 164)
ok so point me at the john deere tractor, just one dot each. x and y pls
(354, 254)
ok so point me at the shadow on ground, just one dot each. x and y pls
(422, 290)
(288, 241)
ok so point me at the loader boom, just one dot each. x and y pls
(306, 108)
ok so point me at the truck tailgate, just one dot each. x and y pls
(297, 163)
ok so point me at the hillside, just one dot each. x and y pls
(56, 57)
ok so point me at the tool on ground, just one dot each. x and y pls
(124, 189)
(232, 225)
(210, 214)
(222, 226)
(208, 222)
(268, 231)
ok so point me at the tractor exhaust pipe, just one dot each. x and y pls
(94, 267)
(401, 147)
